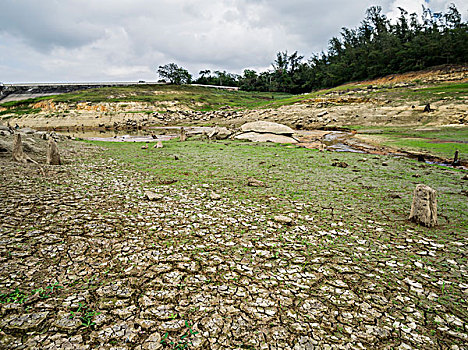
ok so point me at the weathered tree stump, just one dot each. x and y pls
(53, 156)
(424, 207)
(17, 152)
(183, 135)
(456, 160)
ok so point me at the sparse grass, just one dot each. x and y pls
(207, 99)
(442, 142)
(19, 111)
(292, 174)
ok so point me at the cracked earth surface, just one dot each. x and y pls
(87, 262)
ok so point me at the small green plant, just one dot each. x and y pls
(48, 291)
(85, 315)
(16, 297)
(183, 343)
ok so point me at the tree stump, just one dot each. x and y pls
(424, 207)
(17, 152)
(53, 156)
(456, 160)
(183, 136)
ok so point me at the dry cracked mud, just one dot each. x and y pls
(87, 262)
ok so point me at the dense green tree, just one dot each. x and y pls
(376, 48)
(174, 74)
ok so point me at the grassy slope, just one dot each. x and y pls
(201, 98)
(442, 142)
(194, 97)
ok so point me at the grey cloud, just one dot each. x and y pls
(116, 39)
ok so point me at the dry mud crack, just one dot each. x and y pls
(87, 262)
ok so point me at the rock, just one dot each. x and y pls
(159, 144)
(214, 196)
(427, 108)
(340, 164)
(67, 324)
(4, 147)
(27, 131)
(283, 219)
(153, 342)
(25, 322)
(17, 152)
(153, 196)
(183, 135)
(219, 133)
(267, 127)
(424, 206)
(255, 183)
(144, 147)
(465, 177)
(53, 156)
(322, 114)
(29, 146)
(257, 137)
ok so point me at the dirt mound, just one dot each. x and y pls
(438, 74)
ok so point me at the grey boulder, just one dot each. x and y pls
(267, 127)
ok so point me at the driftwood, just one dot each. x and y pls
(424, 206)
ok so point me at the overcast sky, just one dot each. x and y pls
(126, 40)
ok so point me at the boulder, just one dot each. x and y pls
(215, 196)
(322, 114)
(153, 196)
(424, 206)
(283, 219)
(340, 164)
(29, 146)
(4, 147)
(253, 182)
(267, 127)
(257, 137)
(53, 156)
(219, 133)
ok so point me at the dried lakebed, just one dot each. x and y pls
(87, 262)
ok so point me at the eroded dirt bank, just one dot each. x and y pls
(318, 113)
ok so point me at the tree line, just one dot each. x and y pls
(376, 48)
